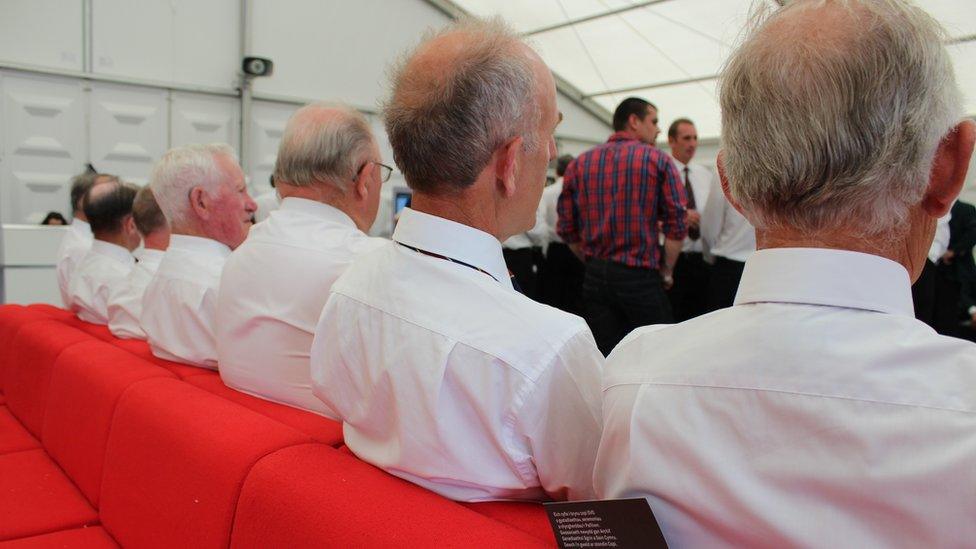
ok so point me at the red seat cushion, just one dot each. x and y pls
(528, 517)
(13, 436)
(310, 495)
(91, 537)
(27, 377)
(176, 459)
(37, 497)
(319, 428)
(12, 318)
(89, 377)
(52, 312)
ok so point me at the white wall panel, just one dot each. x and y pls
(579, 124)
(128, 130)
(43, 144)
(41, 32)
(336, 49)
(268, 121)
(182, 41)
(198, 118)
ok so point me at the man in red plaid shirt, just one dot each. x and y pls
(615, 196)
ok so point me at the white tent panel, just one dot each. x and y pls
(964, 59)
(41, 32)
(529, 16)
(957, 16)
(695, 101)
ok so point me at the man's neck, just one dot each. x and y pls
(158, 240)
(894, 248)
(457, 208)
(80, 216)
(113, 238)
(327, 196)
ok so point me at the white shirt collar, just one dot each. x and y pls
(680, 165)
(113, 251)
(454, 240)
(198, 244)
(81, 226)
(818, 276)
(316, 209)
(149, 255)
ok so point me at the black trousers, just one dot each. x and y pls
(524, 264)
(561, 283)
(689, 295)
(618, 298)
(923, 294)
(726, 274)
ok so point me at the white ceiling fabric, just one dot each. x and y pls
(671, 41)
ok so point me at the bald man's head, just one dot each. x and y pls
(457, 97)
(107, 205)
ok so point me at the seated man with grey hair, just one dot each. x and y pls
(125, 303)
(441, 372)
(816, 411)
(274, 286)
(108, 208)
(201, 190)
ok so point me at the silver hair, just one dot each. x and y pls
(834, 122)
(323, 144)
(183, 168)
(444, 123)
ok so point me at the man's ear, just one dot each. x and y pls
(506, 165)
(200, 202)
(949, 169)
(361, 183)
(720, 164)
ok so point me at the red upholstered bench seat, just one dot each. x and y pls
(90, 537)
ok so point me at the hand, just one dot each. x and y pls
(667, 279)
(694, 218)
(947, 257)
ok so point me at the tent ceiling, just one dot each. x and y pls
(670, 51)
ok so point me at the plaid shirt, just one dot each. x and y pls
(613, 197)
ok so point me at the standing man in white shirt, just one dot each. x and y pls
(442, 373)
(730, 239)
(816, 411)
(201, 190)
(78, 238)
(924, 290)
(689, 294)
(329, 173)
(108, 207)
(562, 273)
(125, 303)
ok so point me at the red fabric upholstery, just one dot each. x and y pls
(527, 517)
(52, 312)
(320, 429)
(37, 497)
(88, 380)
(3, 399)
(312, 495)
(92, 537)
(27, 377)
(13, 436)
(176, 459)
(12, 318)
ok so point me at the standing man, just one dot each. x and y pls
(954, 267)
(689, 295)
(613, 197)
(562, 273)
(730, 240)
(201, 190)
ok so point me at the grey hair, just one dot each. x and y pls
(180, 170)
(834, 122)
(323, 143)
(444, 123)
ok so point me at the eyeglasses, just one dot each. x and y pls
(385, 171)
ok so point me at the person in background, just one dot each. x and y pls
(54, 218)
(689, 294)
(125, 302)
(267, 202)
(954, 268)
(817, 410)
(562, 272)
(78, 238)
(440, 372)
(201, 191)
(329, 174)
(730, 239)
(613, 197)
(925, 290)
(108, 208)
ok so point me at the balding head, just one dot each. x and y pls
(460, 95)
(324, 144)
(108, 207)
(832, 111)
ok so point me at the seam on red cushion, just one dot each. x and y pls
(40, 434)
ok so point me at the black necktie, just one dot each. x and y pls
(694, 233)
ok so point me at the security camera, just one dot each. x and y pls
(257, 66)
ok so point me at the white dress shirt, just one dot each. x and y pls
(103, 269)
(549, 211)
(125, 303)
(725, 231)
(701, 183)
(447, 377)
(817, 411)
(74, 246)
(180, 302)
(940, 242)
(272, 292)
(267, 203)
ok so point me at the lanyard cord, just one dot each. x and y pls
(445, 258)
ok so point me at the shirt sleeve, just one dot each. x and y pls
(562, 420)
(714, 213)
(671, 205)
(568, 225)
